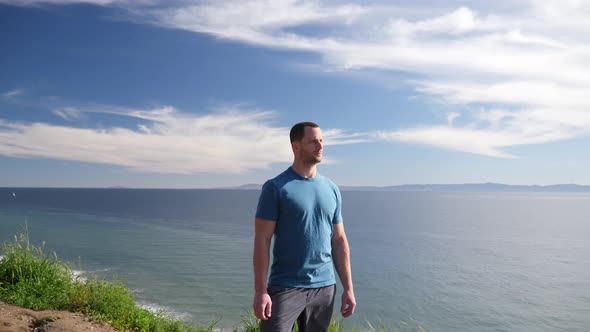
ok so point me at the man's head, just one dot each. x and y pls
(307, 142)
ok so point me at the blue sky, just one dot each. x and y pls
(193, 94)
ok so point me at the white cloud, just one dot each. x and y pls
(54, 2)
(227, 141)
(457, 139)
(495, 129)
(265, 15)
(451, 117)
(13, 93)
(487, 142)
(67, 113)
(516, 76)
(464, 58)
(260, 22)
(511, 92)
(459, 21)
(340, 137)
(29, 3)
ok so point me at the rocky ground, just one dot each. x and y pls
(17, 319)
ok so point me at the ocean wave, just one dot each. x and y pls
(168, 312)
(79, 275)
(82, 275)
(159, 309)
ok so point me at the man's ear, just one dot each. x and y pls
(295, 146)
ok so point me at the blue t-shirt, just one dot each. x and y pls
(305, 211)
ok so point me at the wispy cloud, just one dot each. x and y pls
(479, 141)
(229, 140)
(245, 15)
(485, 141)
(451, 117)
(13, 93)
(28, 3)
(484, 64)
(67, 113)
(511, 77)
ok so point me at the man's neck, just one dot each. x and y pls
(305, 170)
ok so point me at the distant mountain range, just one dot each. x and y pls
(468, 187)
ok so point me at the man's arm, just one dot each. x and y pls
(264, 230)
(341, 255)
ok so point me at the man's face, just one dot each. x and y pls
(311, 146)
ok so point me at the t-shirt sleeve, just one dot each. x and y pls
(268, 203)
(337, 219)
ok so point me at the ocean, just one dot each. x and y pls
(440, 261)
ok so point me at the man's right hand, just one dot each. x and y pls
(262, 306)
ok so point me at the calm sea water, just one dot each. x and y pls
(443, 261)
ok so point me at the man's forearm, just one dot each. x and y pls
(341, 254)
(261, 262)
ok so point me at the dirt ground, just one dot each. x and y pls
(17, 319)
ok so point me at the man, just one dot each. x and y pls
(302, 209)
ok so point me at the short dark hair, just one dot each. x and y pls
(298, 130)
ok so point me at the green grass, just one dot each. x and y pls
(34, 278)
(31, 278)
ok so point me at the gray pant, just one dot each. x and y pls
(311, 307)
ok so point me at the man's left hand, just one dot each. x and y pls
(348, 304)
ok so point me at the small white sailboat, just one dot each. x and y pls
(13, 194)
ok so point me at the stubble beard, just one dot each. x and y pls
(310, 159)
(314, 161)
